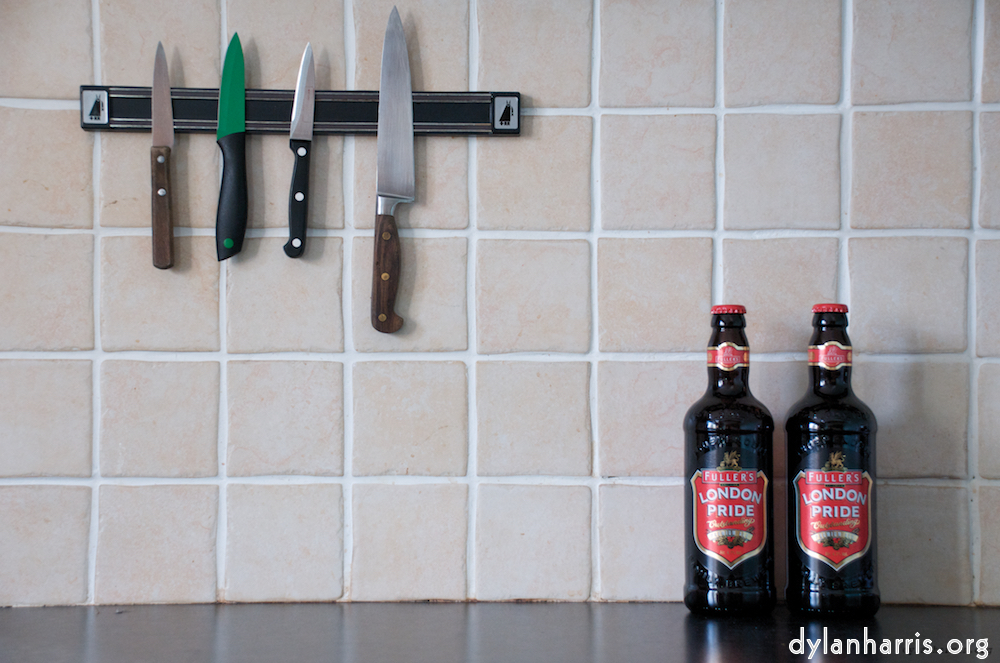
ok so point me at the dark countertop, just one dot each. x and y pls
(479, 632)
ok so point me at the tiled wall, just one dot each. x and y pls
(239, 432)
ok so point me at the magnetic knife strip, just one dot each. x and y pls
(117, 108)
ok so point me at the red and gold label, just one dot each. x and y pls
(833, 514)
(831, 355)
(728, 356)
(730, 513)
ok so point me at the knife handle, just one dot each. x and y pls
(298, 199)
(163, 225)
(385, 275)
(231, 219)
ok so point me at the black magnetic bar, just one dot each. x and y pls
(269, 111)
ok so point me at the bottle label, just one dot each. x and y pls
(831, 355)
(728, 356)
(833, 512)
(730, 511)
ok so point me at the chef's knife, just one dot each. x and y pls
(301, 144)
(231, 219)
(394, 172)
(159, 158)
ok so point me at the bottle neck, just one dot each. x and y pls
(734, 382)
(831, 375)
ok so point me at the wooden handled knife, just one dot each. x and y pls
(163, 142)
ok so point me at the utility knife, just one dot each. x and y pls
(159, 158)
(301, 143)
(231, 219)
(395, 181)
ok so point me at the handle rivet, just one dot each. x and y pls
(381, 317)
(296, 242)
(301, 151)
(299, 196)
(161, 192)
(160, 159)
(385, 276)
(386, 236)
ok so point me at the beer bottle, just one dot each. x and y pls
(831, 490)
(728, 502)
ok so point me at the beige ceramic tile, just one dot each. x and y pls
(779, 281)
(411, 418)
(46, 173)
(276, 304)
(190, 33)
(285, 417)
(45, 544)
(658, 172)
(924, 530)
(273, 41)
(779, 385)
(437, 41)
(432, 297)
(441, 198)
(409, 542)
(46, 292)
(782, 171)
(989, 504)
(912, 170)
(159, 419)
(782, 51)
(284, 543)
(640, 549)
(641, 408)
(533, 296)
(542, 50)
(538, 181)
(657, 53)
(989, 421)
(908, 294)
(156, 544)
(551, 432)
(533, 542)
(991, 54)
(987, 298)
(125, 180)
(269, 175)
(912, 51)
(653, 294)
(58, 70)
(922, 411)
(144, 308)
(46, 418)
(989, 191)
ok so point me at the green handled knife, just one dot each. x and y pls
(231, 219)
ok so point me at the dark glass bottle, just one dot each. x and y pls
(728, 499)
(831, 482)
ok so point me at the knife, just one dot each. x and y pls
(301, 144)
(159, 158)
(231, 219)
(394, 173)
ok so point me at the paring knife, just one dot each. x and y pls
(231, 219)
(159, 158)
(301, 143)
(395, 181)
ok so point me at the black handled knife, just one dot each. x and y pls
(300, 141)
(231, 219)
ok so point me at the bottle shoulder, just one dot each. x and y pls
(817, 411)
(712, 412)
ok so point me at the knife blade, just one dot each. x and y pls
(300, 141)
(231, 217)
(159, 158)
(394, 173)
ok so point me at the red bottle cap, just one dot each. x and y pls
(830, 308)
(723, 309)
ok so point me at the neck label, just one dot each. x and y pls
(728, 356)
(831, 355)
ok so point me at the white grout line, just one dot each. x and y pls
(472, 456)
(719, 233)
